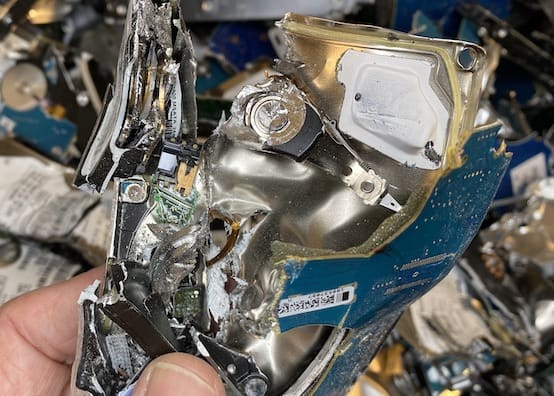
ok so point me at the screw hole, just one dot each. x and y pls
(467, 58)
(367, 186)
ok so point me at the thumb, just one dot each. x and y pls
(179, 374)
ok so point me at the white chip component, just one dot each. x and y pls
(390, 105)
(119, 352)
(168, 162)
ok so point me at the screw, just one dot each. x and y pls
(82, 99)
(135, 193)
(255, 386)
(367, 186)
(502, 33)
(231, 369)
(273, 116)
(482, 31)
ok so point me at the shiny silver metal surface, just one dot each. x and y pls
(285, 356)
(275, 119)
(303, 206)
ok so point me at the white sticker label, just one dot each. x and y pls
(527, 172)
(173, 121)
(316, 301)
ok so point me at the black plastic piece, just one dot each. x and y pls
(301, 143)
(144, 319)
(237, 366)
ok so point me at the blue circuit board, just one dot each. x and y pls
(43, 132)
(387, 282)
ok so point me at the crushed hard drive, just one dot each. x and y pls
(338, 191)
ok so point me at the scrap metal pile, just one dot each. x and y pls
(343, 192)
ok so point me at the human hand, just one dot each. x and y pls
(38, 335)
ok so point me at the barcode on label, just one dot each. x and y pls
(315, 301)
(173, 118)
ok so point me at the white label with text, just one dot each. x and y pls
(299, 304)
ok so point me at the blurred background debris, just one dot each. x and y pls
(487, 329)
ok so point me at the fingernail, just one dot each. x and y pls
(169, 379)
